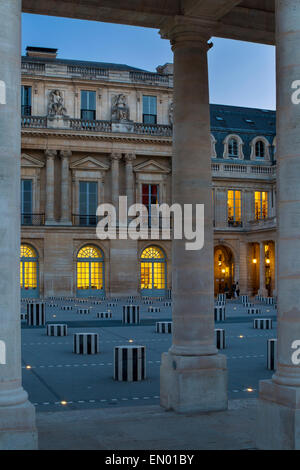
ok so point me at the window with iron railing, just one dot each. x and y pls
(88, 105)
(149, 109)
(26, 100)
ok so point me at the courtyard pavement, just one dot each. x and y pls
(75, 394)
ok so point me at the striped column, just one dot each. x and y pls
(23, 316)
(86, 343)
(254, 311)
(57, 329)
(245, 298)
(129, 363)
(67, 307)
(220, 303)
(220, 338)
(272, 354)
(219, 313)
(36, 314)
(262, 324)
(104, 315)
(167, 304)
(148, 302)
(131, 314)
(154, 309)
(164, 327)
(83, 311)
(248, 305)
(269, 300)
(221, 297)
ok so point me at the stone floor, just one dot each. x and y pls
(149, 428)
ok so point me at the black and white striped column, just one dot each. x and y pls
(148, 302)
(248, 304)
(23, 316)
(86, 343)
(67, 307)
(220, 303)
(221, 297)
(131, 314)
(163, 327)
(129, 363)
(36, 314)
(83, 311)
(153, 309)
(269, 300)
(107, 315)
(272, 354)
(168, 304)
(220, 338)
(245, 298)
(262, 324)
(254, 311)
(219, 313)
(57, 329)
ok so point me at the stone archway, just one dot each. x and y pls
(223, 269)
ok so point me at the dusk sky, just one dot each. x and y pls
(240, 73)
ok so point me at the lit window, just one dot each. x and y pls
(233, 148)
(28, 271)
(153, 270)
(90, 271)
(234, 205)
(261, 205)
(259, 149)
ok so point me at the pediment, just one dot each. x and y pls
(89, 163)
(151, 166)
(29, 161)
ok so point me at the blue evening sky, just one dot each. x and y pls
(240, 73)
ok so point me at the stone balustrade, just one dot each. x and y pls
(225, 170)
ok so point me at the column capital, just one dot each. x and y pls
(66, 153)
(116, 156)
(50, 153)
(130, 157)
(183, 32)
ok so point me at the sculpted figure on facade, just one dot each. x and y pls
(120, 108)
(56, 104)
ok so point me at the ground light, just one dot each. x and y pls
(28, 367)
(63, 402)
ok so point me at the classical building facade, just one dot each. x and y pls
(92, 132)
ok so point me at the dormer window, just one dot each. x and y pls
(260, 149)
(233, 148)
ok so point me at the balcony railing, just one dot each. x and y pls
(32, 219)
(153, 129)
(85, 220)
(235, 223)
(226, 170)
(90, 125)
(32, 67)
(149, 222)
(149, 77)
(91, 72)
(34, 122)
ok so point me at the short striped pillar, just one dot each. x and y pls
(167, 304)
(86, 343)
(163, 327)
(262, 323)
(221, 297)
(111, 304)
(36, 314)
(259, 298)
(272, 354)
(269, 300)
(220, 338)
(154, 309)
(83, 311)
(104, 315)
(220, 303)
(254, 311)
(148, 302)
(129, 363)
(245, 298)
(131, 314)
(219, 313)
(248, 305)
(23, 316)
(67, 307)
(57, 329)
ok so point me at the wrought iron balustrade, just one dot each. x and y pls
(32, 219)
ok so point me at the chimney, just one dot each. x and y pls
(42, 52)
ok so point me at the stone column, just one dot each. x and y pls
(50, 155)
(279, 399)
(65, 205)
(115, 159)
(193, 374)
(129, 159)
(262, 270)
(17, 415)
(221, 207)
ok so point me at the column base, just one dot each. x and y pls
(192, 384)
(278, 417)
(17, 427)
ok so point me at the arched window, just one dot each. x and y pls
(260, 149)
(153, 271)
(90, 271)
(29, 272)
(233, 148)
